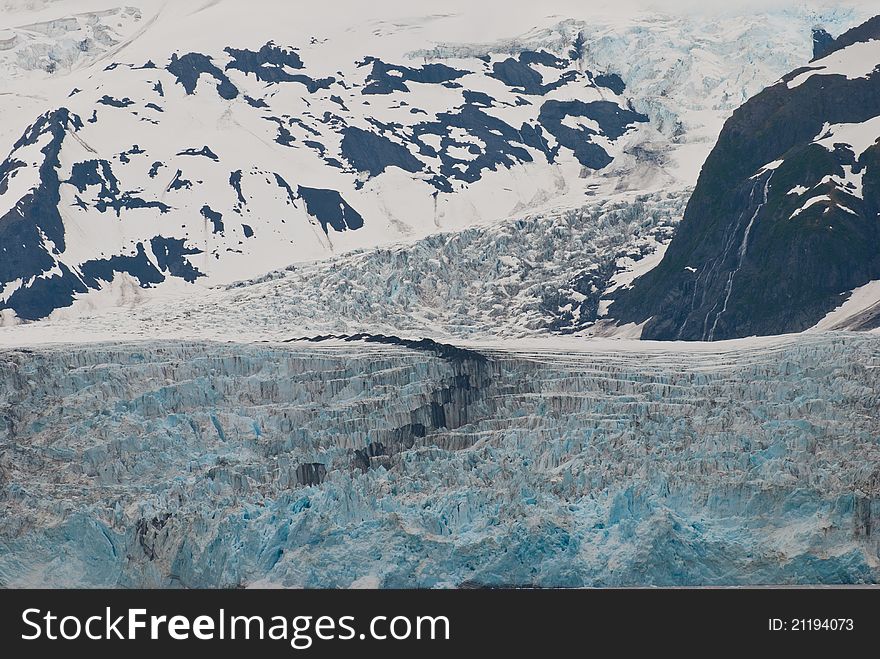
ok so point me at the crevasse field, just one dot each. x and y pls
(352, 463)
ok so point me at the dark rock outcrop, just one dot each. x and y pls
(775, 234)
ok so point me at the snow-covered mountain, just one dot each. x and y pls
(202, 144)
(782, 232)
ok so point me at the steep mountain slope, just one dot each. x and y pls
(202, 144)
(783, 224)
(226, 221)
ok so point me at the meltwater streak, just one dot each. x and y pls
(740, 256)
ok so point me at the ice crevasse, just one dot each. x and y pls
(337, 463)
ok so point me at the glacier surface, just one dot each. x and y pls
(523, 277)
(339, 463)
(203, 434)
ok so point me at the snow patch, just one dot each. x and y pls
(811, 202)
(858, 60)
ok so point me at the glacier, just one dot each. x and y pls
(341, 463)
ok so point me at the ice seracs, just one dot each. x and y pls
(328, 464)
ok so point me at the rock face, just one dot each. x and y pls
(783, 223)
(322, 463)
(822, 42)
